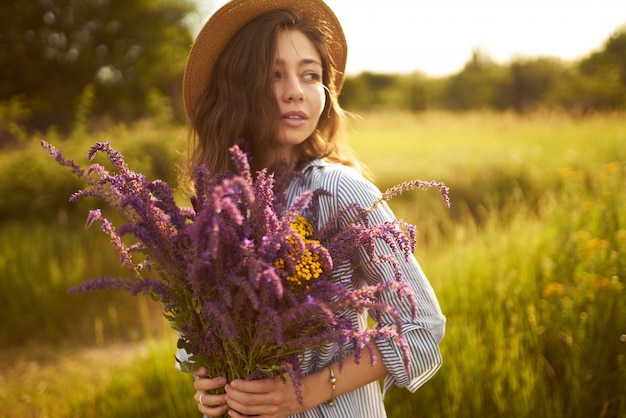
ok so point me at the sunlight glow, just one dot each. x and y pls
(437, 37)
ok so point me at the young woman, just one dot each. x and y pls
(270, 71)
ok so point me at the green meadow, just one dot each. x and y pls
(529, 265)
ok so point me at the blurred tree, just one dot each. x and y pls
(482, 84)
(613, 54)
(368, 90)
(596, 83)
(52, 50)
(355, 93)
(532, 80)
(608, 64)
(580, 93)
(413, 88)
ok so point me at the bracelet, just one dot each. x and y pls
(332, 381)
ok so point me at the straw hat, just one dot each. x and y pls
(234, 15)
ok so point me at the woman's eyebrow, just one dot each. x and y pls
(304, 61)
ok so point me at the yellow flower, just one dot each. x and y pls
(593, 244)
(553, 289)
(569, 172)
(308, 266)
(612, 167)
(303, 227)
(606, 283)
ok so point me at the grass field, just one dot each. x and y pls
(529, 265)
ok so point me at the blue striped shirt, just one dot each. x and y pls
(423, 334)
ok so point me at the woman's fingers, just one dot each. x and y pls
(208, 384)
(201, 372)
(266, 397)
(210, 403)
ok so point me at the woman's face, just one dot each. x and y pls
(298, 88)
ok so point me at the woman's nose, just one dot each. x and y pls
(293, 91)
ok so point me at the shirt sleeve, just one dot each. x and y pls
(422, 333)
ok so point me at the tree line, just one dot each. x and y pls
(70, 62)
(595, 83)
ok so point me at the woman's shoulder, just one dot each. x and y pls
(344, 182)
(332, 173)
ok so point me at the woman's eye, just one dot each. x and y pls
(276, 75)
(312, 76)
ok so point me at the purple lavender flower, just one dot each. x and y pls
(224, 268)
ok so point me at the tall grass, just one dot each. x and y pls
(39, 262)
(45, 249)
(536, 311)
(529, 266)
(121, 380)
(495, 164)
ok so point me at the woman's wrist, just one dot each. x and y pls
(317, 389)
(333, 381)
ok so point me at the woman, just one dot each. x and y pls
(270, 71)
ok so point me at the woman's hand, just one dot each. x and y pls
(267, 398)
(209, 404)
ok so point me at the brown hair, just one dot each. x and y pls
(240, 103)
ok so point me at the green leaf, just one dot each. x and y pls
(186, 366)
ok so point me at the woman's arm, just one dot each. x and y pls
(422, 333)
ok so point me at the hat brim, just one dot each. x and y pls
(234, 15)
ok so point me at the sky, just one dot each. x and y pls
(437, 37)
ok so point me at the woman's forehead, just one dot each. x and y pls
(294, 47)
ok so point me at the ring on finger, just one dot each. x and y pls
(200, 399)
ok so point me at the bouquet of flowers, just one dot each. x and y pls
(245, 280)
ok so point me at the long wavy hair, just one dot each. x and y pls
(240, 102)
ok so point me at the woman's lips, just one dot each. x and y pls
(294, 119)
